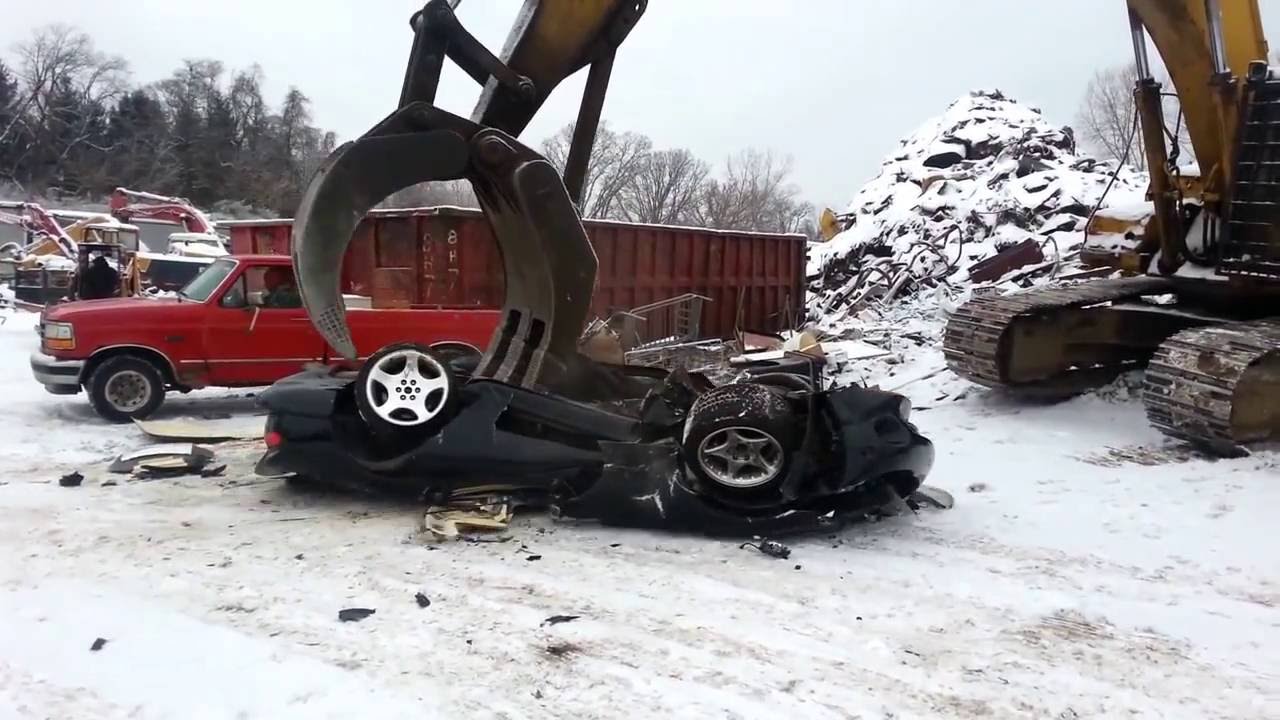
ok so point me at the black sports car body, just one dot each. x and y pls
(770, 456)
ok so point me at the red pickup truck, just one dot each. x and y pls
(239, 323)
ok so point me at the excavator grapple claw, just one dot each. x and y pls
(351, 181)
(549, 264)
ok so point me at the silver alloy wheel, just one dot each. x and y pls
(741, 457)
(407, 388)
(128, 390)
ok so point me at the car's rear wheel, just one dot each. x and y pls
(125, 388)
(462, 358)
(738, 439)
(406, 388)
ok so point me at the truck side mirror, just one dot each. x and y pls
(257, 299)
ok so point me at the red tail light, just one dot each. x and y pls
(273, 439)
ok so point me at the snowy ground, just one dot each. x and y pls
(1088, 570)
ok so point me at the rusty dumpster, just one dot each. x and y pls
(446, 257)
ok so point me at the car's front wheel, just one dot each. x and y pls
(125, 388)
(406, 388)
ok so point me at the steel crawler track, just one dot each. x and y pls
(1192, 382)
(972, 343)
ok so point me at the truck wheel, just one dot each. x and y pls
(739, 438)
(406, 387)
(125, 388)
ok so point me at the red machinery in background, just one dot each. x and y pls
(128, 205)
(39, 222)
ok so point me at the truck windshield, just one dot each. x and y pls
(203, 285)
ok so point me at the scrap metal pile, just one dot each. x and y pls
(42, 257)
(988, 191)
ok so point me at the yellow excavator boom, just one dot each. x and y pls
(1208, 48)
(1185, 39)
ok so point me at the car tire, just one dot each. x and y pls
(738, 439)
(406, 389)
(125, 388)
(461, 357)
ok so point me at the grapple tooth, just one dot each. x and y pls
(353, 179)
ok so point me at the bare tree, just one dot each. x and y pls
(755, 192)
(66, 87)
(664, 188)
(57, 128)
(1107, 113)
(615, 159)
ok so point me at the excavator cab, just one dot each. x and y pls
(549, 263)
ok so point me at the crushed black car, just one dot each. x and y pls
(771, 454)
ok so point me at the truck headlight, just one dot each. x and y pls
(904, 409)
(59, 336)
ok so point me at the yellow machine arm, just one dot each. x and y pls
(1186, 40)
(1208, 47)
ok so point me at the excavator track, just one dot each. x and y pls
(1217, 386)
(972, 343)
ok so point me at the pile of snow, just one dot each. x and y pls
(52, 262)
(987, 174)
(1088, 570)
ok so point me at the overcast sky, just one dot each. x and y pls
(833, 83)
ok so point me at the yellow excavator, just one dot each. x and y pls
(1201, 309)
(1201, 314)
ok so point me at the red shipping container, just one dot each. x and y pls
(446, 257)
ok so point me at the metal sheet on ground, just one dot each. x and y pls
(205, 431)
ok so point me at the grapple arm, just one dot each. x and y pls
(549, 263)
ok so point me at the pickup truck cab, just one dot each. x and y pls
(239, 323)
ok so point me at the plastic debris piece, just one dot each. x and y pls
(71, 479)
(936, 497)
(355, 614)
(215, 471)
(459, 518)
(772, 548)
(163, 458)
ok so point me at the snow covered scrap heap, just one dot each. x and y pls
(985, 176)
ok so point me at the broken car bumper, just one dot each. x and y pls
(61, 377)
